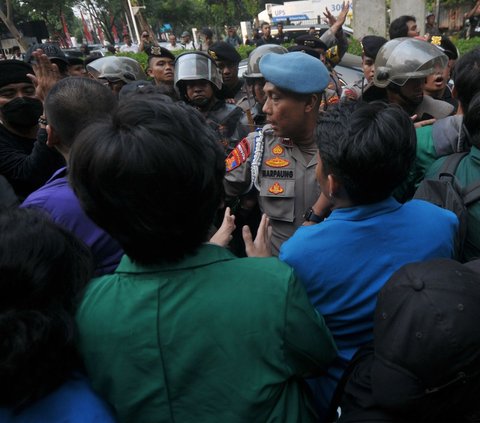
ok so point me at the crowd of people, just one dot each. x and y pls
(178, 243)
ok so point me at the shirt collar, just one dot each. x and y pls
(365, 211)
(205, 255)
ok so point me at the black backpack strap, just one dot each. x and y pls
(363, 352)
(471, 194)
(451, 163)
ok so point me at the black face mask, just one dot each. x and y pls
(22, 112)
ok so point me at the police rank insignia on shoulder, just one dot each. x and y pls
(277, 162)
(276, 189)
(238, 155)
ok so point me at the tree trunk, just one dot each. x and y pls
(7, 20)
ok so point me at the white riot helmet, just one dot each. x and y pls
(253, 67)
(193, 66)
(402, 59)
(116, 68)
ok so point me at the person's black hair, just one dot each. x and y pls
(471, 121)
(399, 28)
(164, 91)
(152, 177)
(368, 147)
(74, 102)
(467, 77)
(43, 270)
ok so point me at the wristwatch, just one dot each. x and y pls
(310, 216)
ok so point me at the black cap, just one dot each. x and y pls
(52, 51)
(426, 333)
(207, 32)
(156, 51)
(14, 72)
(305, 49)
(371, 44)
(446, 45)
(75, 60)
(224, 51)
(312, 41)
(133, 87)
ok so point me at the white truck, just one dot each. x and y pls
(301, 12)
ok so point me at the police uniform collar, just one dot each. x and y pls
(287, 142)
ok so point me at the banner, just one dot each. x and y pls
(68, 40)
(86, 31)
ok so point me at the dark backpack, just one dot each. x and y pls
(445, 191)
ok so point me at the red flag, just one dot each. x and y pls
(100, 35)
(86, 31)
(65, 31)
(114, 30)
(124, 29)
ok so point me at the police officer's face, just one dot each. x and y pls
(258, 92)
(229, 72)
(368, 65)
(410, 94)
(77, 70)
(284, 112)
(266, 30)
(161, 69)
(199, 92)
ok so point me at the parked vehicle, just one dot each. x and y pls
(349, 70)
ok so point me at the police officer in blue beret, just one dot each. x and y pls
(278, 161)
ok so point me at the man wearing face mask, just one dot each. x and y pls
(25, 160)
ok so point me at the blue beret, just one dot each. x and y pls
(297, 72)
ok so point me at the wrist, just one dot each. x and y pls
(311, 216)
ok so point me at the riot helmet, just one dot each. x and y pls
(253, 68)
(406, 58)
(196, 65)
(121, 68)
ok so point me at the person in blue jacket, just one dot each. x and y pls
(43, 270)
(364, 153)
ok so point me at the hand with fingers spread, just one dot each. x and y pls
(261, 246)
(46, 75)
(224, 234)
(337, 23)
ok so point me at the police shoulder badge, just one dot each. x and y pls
(238, 155)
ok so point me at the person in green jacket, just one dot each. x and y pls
(448, 135)
(183, 331)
